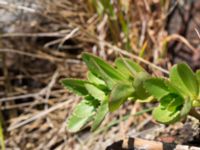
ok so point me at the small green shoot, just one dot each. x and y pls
(2, 144)
(109, 86)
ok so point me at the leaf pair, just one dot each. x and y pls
(132, 87)
(119, 94)
(175, 96)
(128, 67)
(185, 80)
(101, 78)
(107, 85)
(118, 79)
(82, 114)
(91, 106)
(182, 80)
(103, 70)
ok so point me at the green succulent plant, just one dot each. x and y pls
(107, 87)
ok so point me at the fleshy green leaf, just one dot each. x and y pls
(171, 109)
(122, 68)
(198, 79)
(76, 86)
(101, 68)
(120, 93)
(110, 82)
(156, 87)
(76, 123)
(100, 114)
(95, 92)
(171, 101)
(173, 88)
(165, 116)
(138, 84)
(94, 79)
(82, 114)
(187, 106)
(185, 80)
(128, 67)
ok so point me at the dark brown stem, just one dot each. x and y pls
(195, 114)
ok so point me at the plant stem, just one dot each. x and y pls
(2, 144)
(195, 114)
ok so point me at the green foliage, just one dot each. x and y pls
(198, 79)
(138, 84)
(82, 114)
(101, 113)
(94, 79)
(119, 94)
(156, 87)
(108, 87)
(165, 116)
(95, 92)
(128, 67)
(168, 110)
(2, 144)
(185, 80)
(187, 106)
(103, 70)
(76, 86)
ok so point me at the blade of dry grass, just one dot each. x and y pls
(39, 115)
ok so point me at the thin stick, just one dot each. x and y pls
(197, 32)
(9, 5)
(68, 36)
(46, 57)
(39, 115)
(124, 52)
(48, 92)
(32, 95)
(48, 34)
(181, 39)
